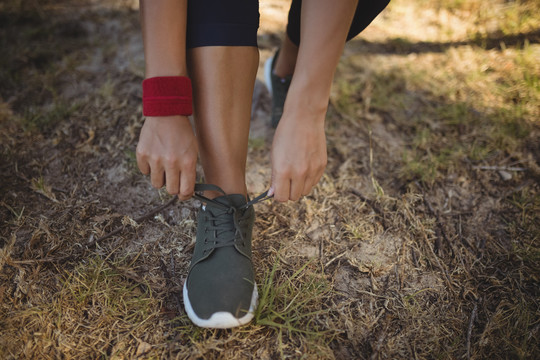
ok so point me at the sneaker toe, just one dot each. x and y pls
(221, 284)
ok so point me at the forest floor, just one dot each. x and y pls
(421, 240)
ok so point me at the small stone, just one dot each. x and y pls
(143, 348)
(505, 175)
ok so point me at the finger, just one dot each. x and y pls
(317, 178)
(157, 178)
(172, 181)
(297, 186)
(143, 165)
(308, 185)
(312, 181)
(281, 185)
(187, 184)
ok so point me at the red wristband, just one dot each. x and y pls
(167, 95)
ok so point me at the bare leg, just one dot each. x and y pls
(286, 60)
(223, 80)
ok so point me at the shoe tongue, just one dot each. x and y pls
(236, 200)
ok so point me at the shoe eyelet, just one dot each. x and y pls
(206, 241)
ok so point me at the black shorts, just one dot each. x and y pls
(235, 22)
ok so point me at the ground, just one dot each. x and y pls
(421, 240)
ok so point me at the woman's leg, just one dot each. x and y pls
(220, 290)
(286, 59)
(366, 12)
(222, 62)
(223, 80)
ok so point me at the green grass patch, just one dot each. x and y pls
(455, 108)
(292, 305)
(95, 310)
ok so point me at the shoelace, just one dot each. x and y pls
(220, 220)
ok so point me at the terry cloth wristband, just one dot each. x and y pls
(167, 95)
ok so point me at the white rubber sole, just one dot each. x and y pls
(268, 73)
(221, 319)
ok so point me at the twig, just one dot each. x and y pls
(373, 294)
(43, 260)
(334, 259)
(95, 241)
(469, 330)
(500, 168)
(137, 220)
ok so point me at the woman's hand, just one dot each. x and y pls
(298, 153)
(299, 149)
(167, 150)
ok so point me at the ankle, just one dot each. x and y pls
(284, 67)
(228, 188)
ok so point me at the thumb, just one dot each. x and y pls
(272, 188)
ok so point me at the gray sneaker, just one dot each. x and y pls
(278, 88)
(220, 290)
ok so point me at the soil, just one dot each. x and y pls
(420, 270)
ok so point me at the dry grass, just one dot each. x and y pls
(421, 241)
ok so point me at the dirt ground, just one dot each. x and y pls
(421, 240)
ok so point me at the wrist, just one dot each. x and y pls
(168, 124)
(167, 95)
(166, 119)
(307, 104)
(309, 94)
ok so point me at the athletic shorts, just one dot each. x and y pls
(235, 22)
